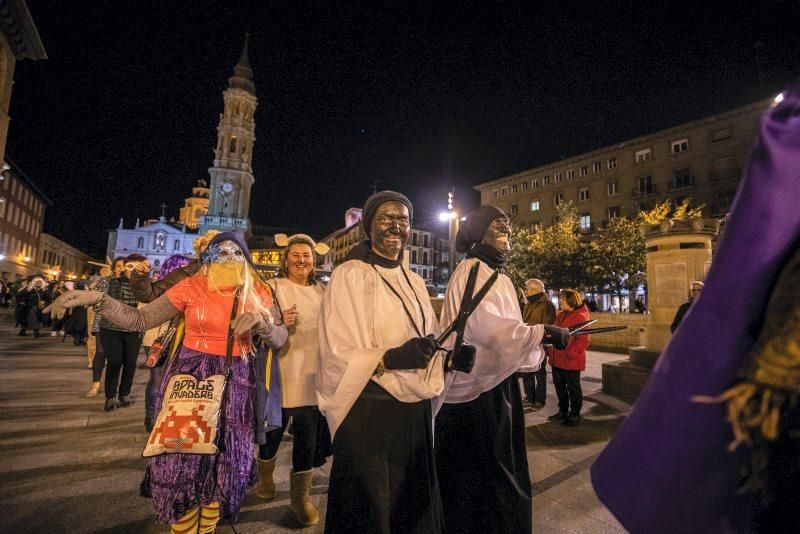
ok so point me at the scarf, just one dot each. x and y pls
(363, 252)
(533, 299)
(488, 255)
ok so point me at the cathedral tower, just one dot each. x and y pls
(232, 173)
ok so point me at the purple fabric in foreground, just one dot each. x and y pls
(668, 469)
(180, 482)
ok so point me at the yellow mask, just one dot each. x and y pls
(227, 274)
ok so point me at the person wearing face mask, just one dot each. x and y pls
(120, 346)
(378, 370)
(192, 491)
(481, 459)
(300, 296)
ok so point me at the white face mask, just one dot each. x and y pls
(225, 252)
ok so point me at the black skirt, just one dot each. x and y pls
(383, 478)
(482, 463)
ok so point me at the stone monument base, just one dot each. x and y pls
(626, 379)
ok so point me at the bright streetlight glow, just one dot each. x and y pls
(447, 215)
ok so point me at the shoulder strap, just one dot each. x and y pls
(229, 348)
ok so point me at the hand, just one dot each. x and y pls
(290, 316)
(413, 354)
(248, 321)
(76, 298)
(556, 336)
(143, 267)
(462, 359)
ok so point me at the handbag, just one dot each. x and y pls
(193, 410)
(166, 345)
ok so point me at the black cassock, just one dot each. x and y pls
(482, 464)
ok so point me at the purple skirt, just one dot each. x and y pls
(180, 482)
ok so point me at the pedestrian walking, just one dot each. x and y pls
(30, 302)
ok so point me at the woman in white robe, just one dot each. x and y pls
(377, 373)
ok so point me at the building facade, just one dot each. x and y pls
(157, 240)
(195, 207)
(231, 175)
(423, 252)
(702, 159)
(62, 261)
(22, 209)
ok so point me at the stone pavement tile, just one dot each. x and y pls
(543, 464)
(550, 517)
(577, 493)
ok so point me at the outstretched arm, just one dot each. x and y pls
(122, 315)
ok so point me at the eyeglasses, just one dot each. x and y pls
(502, 223)
(388, 220)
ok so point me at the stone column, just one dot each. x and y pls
(678, 252)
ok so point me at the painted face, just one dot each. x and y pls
(389, 229)
(119, 268)
(498, 234)
(37, 282)
(224, 252)
(299, 261)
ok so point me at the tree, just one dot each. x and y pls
(617, 256)
(554, 254)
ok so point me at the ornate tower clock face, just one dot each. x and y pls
(226, 188)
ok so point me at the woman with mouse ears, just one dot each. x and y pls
(300, 297)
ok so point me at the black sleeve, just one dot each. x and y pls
(679, 316)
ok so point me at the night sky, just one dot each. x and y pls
(420, 97)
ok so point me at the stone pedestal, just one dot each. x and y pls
(678, 252)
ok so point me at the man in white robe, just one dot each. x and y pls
(378, 371)
(480, 434)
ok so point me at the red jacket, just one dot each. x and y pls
(573, 358)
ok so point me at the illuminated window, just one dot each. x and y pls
(586, 221)
(535, 205)
(644, 155)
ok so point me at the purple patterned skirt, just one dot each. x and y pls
(180, 482)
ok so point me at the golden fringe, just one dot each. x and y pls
(751, 408)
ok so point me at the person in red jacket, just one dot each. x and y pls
(568, 363)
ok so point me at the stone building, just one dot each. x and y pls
(231, 173)
(702, 159)
(63, 261)
(22, 208)
(156, 239)
(195, 207)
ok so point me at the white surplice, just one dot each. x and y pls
(298, 357)
(503, 342)
(361, 318)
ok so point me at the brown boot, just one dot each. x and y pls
(300, 489)
(93, 390)
(266, 485)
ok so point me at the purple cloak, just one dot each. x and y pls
(668, 468)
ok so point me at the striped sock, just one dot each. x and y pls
(187, 524)
(209, 516)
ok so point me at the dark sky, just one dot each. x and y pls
(419, 96)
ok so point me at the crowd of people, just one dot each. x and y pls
(358, 369)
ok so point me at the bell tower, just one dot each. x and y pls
(231, 175)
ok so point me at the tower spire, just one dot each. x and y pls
(243, 73)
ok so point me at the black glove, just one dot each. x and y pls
(413, 354)
(556, 336)
(461, 359)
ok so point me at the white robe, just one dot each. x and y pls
(503, 342)
(359, 321)
(297, 358)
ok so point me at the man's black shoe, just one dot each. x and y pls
(537, 405)
(111, 405)
(557, 416)
(125, 402)
(571, 421)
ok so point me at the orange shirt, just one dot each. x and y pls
(208, 314)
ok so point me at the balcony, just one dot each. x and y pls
(724, 175)
(640, 191)
(676, 184)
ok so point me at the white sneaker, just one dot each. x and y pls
(60, 332)
(53, 334)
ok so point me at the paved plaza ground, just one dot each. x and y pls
(67, 466)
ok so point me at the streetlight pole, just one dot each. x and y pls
(452, 230)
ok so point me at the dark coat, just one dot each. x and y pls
(542, 311)
(145, 290)
(679, 316)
